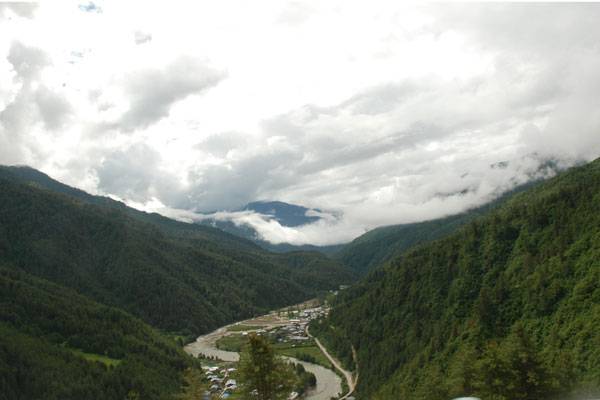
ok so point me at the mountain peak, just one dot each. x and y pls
(286, 214)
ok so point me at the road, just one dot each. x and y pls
(347, 374)
(329, 384)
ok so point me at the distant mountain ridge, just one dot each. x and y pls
(286, 214)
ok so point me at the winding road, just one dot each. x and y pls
(347, 374)
(329, 384)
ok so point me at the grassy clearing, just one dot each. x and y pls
(243, 328)
(232, 342)
(307, 351)
(97, 357)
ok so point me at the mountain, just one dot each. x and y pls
(33, 177)
(55, 343)
(174, 276)
(90, 289)
(383, 244)
(287, 215)
(506, 307)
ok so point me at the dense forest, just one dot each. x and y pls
(507, 307)
(188, 285)
(57, 344)
(92, 292)
(386, 243)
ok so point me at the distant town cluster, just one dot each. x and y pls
(220, 383)
(295, 330)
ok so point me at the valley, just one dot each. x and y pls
(102, 286)
(328, 383)
(401, 199)
(163, 277)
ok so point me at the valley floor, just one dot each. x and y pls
(329, 384)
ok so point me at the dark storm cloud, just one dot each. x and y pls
(153, 92)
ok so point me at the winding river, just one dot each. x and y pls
(328, 383)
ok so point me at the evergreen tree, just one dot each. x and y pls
(194, 389)
(261, 371)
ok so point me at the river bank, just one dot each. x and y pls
(329, 384)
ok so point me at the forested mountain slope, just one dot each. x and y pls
(56, 344)
(330, 273)
(188, 285)
(506, 307)
(24, 174)
(383, 244)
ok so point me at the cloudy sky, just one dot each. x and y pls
(374, 112)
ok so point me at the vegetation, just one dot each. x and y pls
(506, 307)
(195, 385)
(40, 325)
(232, 343)
(242, 328)
(384, 244)
(75, 269)
(188, 286)
(262, 373)
(307, 351)
(303, 351)
(306, 379)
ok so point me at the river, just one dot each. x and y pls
(328, 383)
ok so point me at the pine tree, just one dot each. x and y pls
(194, 390)
(261, 371)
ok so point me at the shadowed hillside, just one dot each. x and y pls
(189, 285)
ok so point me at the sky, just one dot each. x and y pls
(374, 113)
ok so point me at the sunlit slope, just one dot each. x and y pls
(527, 272)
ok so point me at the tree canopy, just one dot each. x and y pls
(523, 276)
(262, 372)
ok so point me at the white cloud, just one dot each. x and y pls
(142, 37)
(8, 10)
(151, 93)
(376, 113)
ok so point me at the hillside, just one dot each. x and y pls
(56, 344)
(506, 307)
(184, 284)
(383, 244)
(24, 174)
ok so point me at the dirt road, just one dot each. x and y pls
(337, 365)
